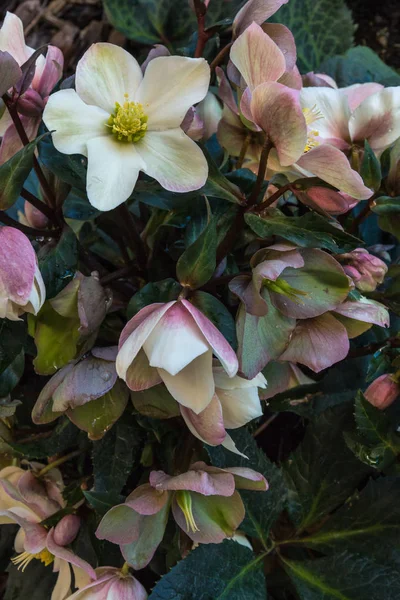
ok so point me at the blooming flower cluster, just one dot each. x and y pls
(188, 260)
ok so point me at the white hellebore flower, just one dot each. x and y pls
(126, 122)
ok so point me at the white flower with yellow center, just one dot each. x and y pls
(125, 122)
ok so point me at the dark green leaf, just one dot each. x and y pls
(113, 457)
(262, 508)
(63, 436)
(12, 340)
(386, 205)
(391, 223)
(12, 374)
(368, 524)
(14, 172)
(103, 501)
(198, 262)
(344, 577)
(370, 168)
(359, 65)
(322, 471)
(217, 313)
(160, 291)
(226, 571)
(308, 231)
(70, 168)
(321, 28)
(218, 186)
(8, 407)
(58, 261)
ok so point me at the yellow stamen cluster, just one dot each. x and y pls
(184, 500)
(128, 121)
(311, 115)
(23, 559)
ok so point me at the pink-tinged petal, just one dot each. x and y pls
(90, 379)
(230, 445)
(292, 79)
(68, 555)
(105, 74)
(225, 91)
(193, 125)
(231, 135)
(312, 79)
(209, 111)
(10, 72)
(245, 106)
(175, 341)
(12, 39)
(51, 73)
(173, 159)
(257, 57)
(216, 517)
(248, 479)
(207, 426)
(126, 588)
(11, 142)
(382, 392)
(17, 265)
(43, 410)
(193, 386)
(248, 291)
(119, 525)
(146, 500)
(140, 375)
(73, 122)
(34, 494)
(329, 114)
(326, 200)
(282, 376)
(358, 92)
(274, 263)
(218, 343)
(107, 353)
(156, 51)
(170, 86)
(318, 343)
(368, 311)
(377, 119)
(276, 109)
(113, 169)
(331, 165)
(283, 38)
(256, 11)
(213, 482)
(35, 535)
(151, 532)
(135, 333)
(66, 530)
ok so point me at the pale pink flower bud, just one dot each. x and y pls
(112, 584)
(366, 270)
(66, 530)
(34, 217)
(382, 392)
(31, 104)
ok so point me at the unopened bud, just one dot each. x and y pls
(35, 217)
(31, 104)
(383, 391)
(366, 270)
(66, 530)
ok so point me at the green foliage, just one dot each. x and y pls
(359, 65)
(12, 340)
(197, 264)
(58, 262)
(160, 291)
(370, 168)
(235, 574)
(321, 28)
(217, 313)
(63, 436)
(37, 585)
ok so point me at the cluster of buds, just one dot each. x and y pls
(366, 270)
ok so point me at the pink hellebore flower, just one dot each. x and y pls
(111, 584)
(126, 122)
(204, 504)
(33, 100)
(367, 271)
(27, 501)
(235, 403)
(383, 391)
(174, 343)
(21, 285)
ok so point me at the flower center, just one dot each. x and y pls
(280, 286)
(23, 559)
(184, 501)
(311, 115)
(128, 122)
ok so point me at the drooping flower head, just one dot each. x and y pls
(21, 283)
(111, 584)
(126, 122)
(366, 270)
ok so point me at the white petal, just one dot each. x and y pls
(175, 341)
(194, 385)
(105, 73)
(171, 85)
(239, 406)
(73, 122)
(377, 119)
(333, 108)
(229, 444)
(173, 159)
(12, 39)
(62, 589)
(113, 169)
